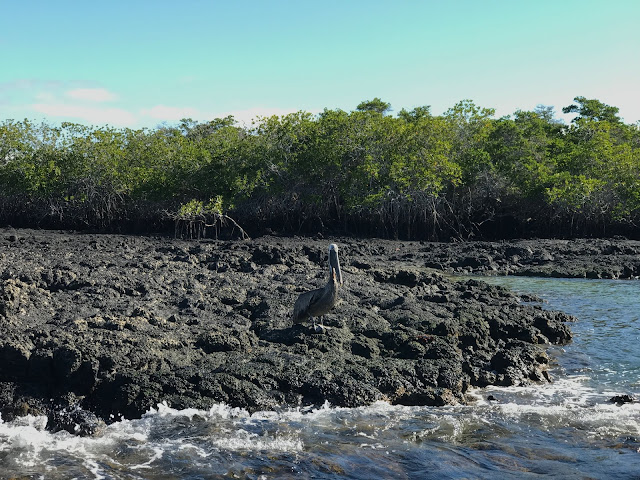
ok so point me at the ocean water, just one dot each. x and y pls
(566, 429)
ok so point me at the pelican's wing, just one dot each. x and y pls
(303, 304)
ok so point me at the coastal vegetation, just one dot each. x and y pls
(415, 175)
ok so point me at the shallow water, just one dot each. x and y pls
(567, 429)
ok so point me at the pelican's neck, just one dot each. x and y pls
(335, 274)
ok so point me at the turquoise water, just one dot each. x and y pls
(606, 347)
(566, 429)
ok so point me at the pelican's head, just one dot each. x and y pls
(334, 263)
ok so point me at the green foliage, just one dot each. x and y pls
(470, 127)
(414, 175)
(375, 105)
(196, 208)
(593, 109)
(194, 217)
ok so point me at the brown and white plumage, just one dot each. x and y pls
(318, 302)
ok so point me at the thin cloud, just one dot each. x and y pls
(29, 84)
(164, 113)
(169, 114)
(92, 94)
(249, 115)
(45, 97)
(93, 115)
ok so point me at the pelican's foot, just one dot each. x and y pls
(319, 328)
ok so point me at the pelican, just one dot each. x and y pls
(318, 302)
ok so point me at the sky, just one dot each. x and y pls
(143, 63)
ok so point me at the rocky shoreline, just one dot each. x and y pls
(94, 328)
(580, 258)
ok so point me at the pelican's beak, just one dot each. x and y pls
(334, 262)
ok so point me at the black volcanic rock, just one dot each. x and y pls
(98, 327)
(622, 399)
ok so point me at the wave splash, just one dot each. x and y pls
(556, 425)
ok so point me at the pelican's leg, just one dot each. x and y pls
(320, 328)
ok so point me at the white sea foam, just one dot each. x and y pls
(568, 403)
(203, 436)
(229, 428)
(217, 411)
(29, 444)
